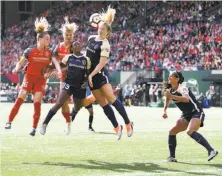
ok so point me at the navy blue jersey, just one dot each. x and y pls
(77, 69)
(192, 106)
(95, 49)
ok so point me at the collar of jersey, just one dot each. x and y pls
(77, 56)
(96, 39)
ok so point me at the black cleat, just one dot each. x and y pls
(8, 125)
(32, 133)
(91, 129)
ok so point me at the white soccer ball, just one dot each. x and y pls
(95, 19)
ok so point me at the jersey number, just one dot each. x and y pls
(66, 86)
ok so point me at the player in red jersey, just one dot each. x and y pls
(62, 49)
(34, 82)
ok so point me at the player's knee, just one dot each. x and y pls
(111, 99)
(22, 94)
(58, 105)
(190, 131)
(172, 132)
(77, 108)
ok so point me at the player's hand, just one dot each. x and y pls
(90, 81)
(59, 74)
(165, 115)
(14, 71)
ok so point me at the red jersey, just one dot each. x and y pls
(37, 60)
(59, 52)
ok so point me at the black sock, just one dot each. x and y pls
(201, 140)
(74, 113)
(90, 121)
(49, 117)
(110, 114)
(120, 108)
(172, 142)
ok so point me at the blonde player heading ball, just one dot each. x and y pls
(98, 50)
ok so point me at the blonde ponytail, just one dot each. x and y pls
(68, 26)
(41, 25)
(108, 16)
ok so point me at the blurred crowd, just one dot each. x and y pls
(139, 95)
(177, 37)
(181, 11)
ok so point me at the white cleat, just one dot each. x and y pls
(43, 129)
(118, 131)
(212, 154)
(68, 131)
(171, 159)
(129, 129)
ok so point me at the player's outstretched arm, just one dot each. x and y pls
(166, 104)
(57, 66)
(19, 64)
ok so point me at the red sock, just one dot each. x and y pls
(66, 116)
(37, 113)
(15, 109)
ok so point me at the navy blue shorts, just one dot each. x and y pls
(200, 115)
(78, 93)
(99, 80)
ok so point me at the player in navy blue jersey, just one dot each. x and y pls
(75, 83)
(192, 117)
(98, 50)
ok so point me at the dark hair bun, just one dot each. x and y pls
(181, 78)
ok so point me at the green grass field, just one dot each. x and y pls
(99, 154)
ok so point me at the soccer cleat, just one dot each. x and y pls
(43, 129)
(68, 131)
(171, 159)
(91, 129)
(32, 133)
(118, 131)
(8, 125)
(212, 154)
(129, 128)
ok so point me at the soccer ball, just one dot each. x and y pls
(95, 19)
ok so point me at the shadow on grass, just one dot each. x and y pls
(105, 133)
(219, 166)
(123, 167)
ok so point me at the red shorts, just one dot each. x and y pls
(33, 84)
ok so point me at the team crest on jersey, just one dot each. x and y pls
(96, 46)
(107, 50)
(83, 62)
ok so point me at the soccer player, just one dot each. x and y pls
(75, 83)
(62, 49)
(34, 82)
(98, 50)
(192, 115)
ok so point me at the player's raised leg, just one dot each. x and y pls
(107, 91)
(63, 97)
(192, 132)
